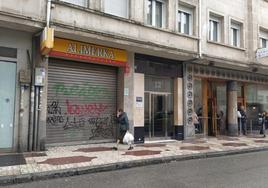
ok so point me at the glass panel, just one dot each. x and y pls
(235, 37)
(116, 7)
(158, 84)
(215, 31)
(221, 96)
(147, 118)
(149, 12)
(180, 21)
(263, 43)
(162, 115)
(256, 103)
(187, 23)
(158, 14)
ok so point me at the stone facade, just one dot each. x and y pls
(22, 22)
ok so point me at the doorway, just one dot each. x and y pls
(158, 115)
(7, 103)
(217, 108)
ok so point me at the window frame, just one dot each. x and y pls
(218, 20)
(153, 15)
(237, 26)
(263, 36)
(185, 10)
(127, 12)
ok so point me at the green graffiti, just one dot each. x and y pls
(86, 90)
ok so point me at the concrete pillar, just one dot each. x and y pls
(139, 107)
(178, 108)
(137, 10)
(125, 89)
(40, 124)
(128, 90)
(232, 108)
(171, 16)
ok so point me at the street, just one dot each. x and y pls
(237, 171)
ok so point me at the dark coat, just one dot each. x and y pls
(243, 116)
(123, 121)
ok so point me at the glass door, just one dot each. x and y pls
(217, 104)
(158, 115)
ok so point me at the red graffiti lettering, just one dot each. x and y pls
(82, 109)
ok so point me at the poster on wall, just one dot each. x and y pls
(139, 102)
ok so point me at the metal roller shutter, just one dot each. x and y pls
(81, 102)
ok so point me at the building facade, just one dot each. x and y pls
(162, 61)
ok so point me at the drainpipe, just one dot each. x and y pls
(48, 12)
(200, 29)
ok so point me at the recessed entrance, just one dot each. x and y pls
(210, 107)
(158, 112)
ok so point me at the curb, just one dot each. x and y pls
(8, 180)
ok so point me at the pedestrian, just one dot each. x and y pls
(123, 124)
(243, 119)
(264, 123)
(196, 123)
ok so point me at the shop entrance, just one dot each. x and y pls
(210, 107)
(158, 118)
(217, 108)
(158, 111)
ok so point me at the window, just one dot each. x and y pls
(156, 13)
(215, 28)
(263, 39)
(77, 2)
(235, 34)
(116, 7)
(185, 19)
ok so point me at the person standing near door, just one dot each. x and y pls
(243, 119)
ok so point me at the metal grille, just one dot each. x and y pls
(81, 102)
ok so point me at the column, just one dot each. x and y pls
(178, 108)
(232, 108)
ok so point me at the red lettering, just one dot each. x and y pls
(95, 109)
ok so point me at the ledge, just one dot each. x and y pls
(126, 20)
(226, 45)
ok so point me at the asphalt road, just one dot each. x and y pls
(239, 171)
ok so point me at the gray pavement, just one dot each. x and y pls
(236, 171)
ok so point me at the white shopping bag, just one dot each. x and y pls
(128, 138)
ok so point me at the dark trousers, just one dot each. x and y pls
(243, 127)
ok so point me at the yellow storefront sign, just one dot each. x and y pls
(90, 52)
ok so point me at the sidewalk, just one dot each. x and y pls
(81, 159)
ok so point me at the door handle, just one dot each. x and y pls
(7, 100)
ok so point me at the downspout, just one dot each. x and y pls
(48, 12)
(37, 96)
(200, 30)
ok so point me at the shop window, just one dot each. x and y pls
(256, 102)
(185, 20)
(215, 27)
(83, 3)
(117, 7)
(156, 11)
(263, 39)
(235, 34)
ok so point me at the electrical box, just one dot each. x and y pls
(40, 75)
(25, 76)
